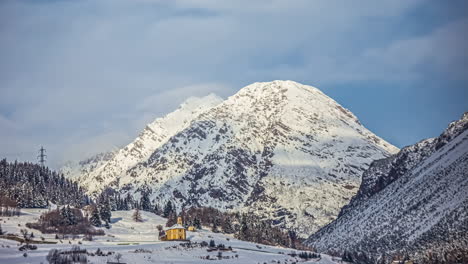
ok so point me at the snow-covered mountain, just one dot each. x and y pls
(100, 170)
(410, 202)
(280, 149)
(76, 169)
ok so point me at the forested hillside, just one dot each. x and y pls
(34, 186)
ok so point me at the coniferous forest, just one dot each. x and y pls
(34, 186)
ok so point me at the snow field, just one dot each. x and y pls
(139, 243)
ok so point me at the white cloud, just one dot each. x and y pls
(440, 51)
(86, 75)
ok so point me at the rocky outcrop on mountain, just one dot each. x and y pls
(414, 201)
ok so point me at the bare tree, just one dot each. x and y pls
(118, 257)
(24, 233)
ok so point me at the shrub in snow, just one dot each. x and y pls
(64, 221)
(27, 247)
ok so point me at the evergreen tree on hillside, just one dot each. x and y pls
(227, 227)
(128, 201)
(171, 219)
(212, 243)
(347, 256)
(105, 210)
(197, 223)
(95, 218)
(137, 216)
(156, 209)
(168, 209)
(71, 216)
(145, 203)
(244, 229)
(67, 215)
(34, 186)
(215, 226)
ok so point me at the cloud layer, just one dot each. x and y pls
(82, 77)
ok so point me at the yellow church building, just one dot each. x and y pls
(175, 232)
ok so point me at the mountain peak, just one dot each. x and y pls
(276, 86)
(194, 102)
(253, 151)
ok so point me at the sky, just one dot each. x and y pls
(84, 76)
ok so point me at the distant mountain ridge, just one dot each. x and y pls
(282, 150)
(413, 201)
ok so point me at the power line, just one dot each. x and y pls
(42, 156)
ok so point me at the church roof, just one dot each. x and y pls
(176, 226)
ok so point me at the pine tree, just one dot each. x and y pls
(168, 209)
(67, 216)
(196, 223)
(145, 203)
(215, 226)
(171, 219)
(244, 230)
(127, 202)
(156, 209)
(226, 226)
(347, 256)
(95, 219)
(105, 210)
(71, 220)
(137, 216)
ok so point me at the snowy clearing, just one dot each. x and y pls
(139, 243)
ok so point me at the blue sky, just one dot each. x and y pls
(81, 77)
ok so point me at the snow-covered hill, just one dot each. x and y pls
(410, 202)
(138, 242)
(280, 149)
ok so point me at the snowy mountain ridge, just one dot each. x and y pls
(280, 149)
(103, 167)
(416, 200)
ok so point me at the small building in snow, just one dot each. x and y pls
(175, 232)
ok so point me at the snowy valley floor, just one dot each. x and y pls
(139, 243)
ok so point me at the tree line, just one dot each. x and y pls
(247, 227)
(34, 186)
